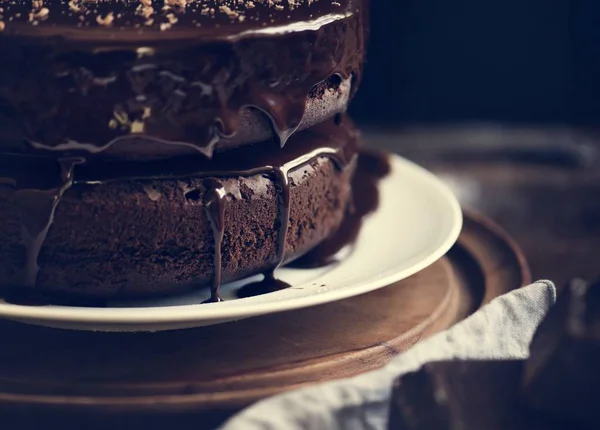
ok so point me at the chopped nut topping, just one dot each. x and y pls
(137, 127)
(145, 52)
(227, 10)
(74, 6)
(85, 12)
(177, 3)
(106, 20)
(172, 18)
(147, 113)
(147, 11)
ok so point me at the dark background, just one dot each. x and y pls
(501, 99)
(517, 61)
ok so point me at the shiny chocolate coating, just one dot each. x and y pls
(33, 189)
(109, 79)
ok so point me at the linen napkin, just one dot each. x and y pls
(503, 329)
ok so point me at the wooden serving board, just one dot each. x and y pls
(196, 378)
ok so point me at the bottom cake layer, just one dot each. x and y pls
(116, 230)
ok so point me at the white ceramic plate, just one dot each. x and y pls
(417, 222)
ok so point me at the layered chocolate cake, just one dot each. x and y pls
(149, 147)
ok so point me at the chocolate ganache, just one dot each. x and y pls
(148, 147)
(33, 188)
(153, 79)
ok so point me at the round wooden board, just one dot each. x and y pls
(198, 377)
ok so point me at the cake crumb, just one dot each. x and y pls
(176, 3)
(41, 13)
(2, 26)
(147, 112)
(228, 11)
(172, 18)
(137, 127)
(145, 51)
(106, 20)
(152, 193)
(146, 11)
(73, 6)
(121, 116)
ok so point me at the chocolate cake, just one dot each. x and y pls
(148, 147)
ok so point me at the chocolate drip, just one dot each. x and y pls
(270, 283)
(35, 214)
(214, 207)
(371, 168)
(74, 83)
(37, 202)
(214, 203)
(285, 112)
(337, 142)
(282, 185)
(143, 94)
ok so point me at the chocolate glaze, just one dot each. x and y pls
(371, 168)
(282, 184)
(214, 206)
(122, 91)
(332, 139)
(35, 209)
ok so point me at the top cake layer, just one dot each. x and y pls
(149, 79)
(164, 20)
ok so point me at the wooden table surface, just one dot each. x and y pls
(195, 379)
(541, 185)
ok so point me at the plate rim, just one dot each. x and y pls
(182, 314)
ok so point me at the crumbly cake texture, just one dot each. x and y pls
(146, 238)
